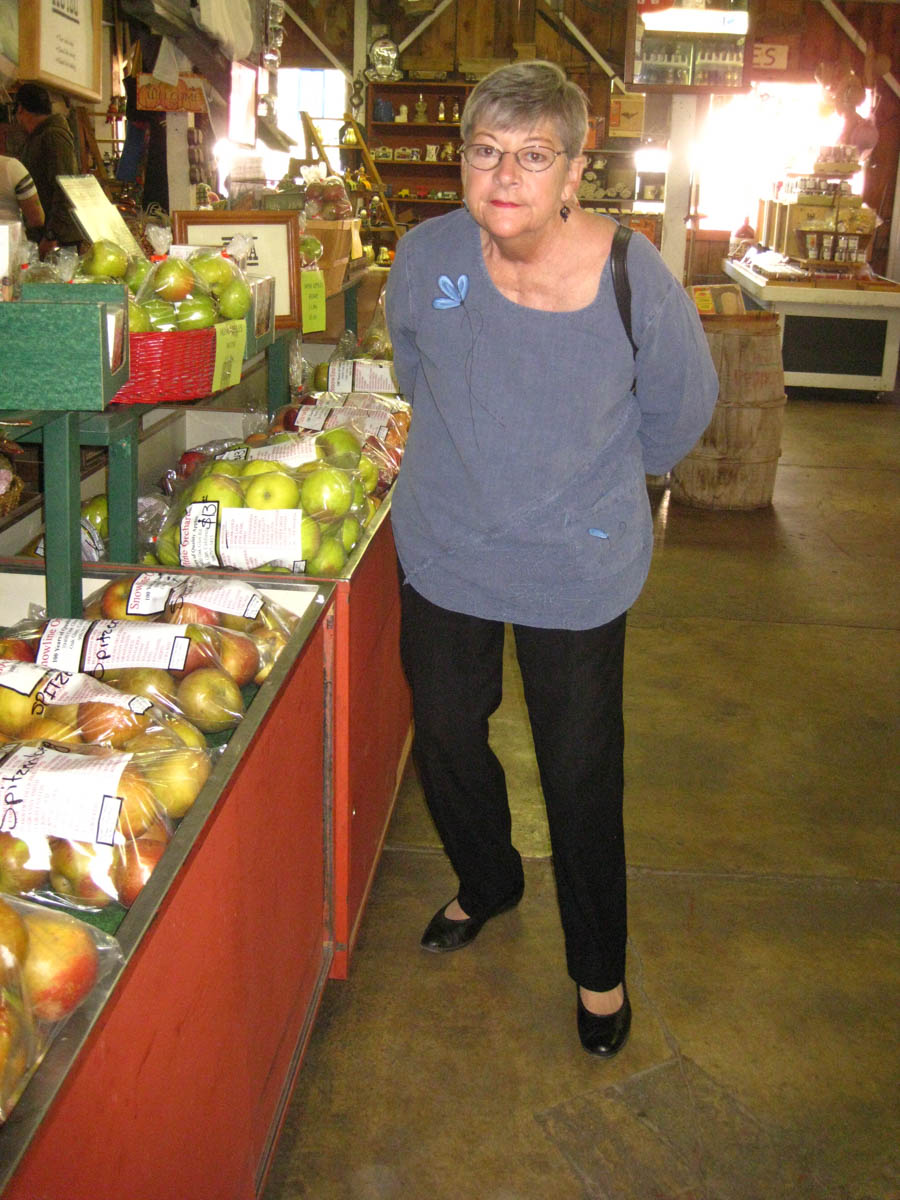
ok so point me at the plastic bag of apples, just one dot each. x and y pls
(96, 780)
(50, 962)
(223, 607)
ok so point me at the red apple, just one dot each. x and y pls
(187, 613)
(17, 648)
(61, 964)
(19, 870)
(114, 601)
(203, 650)
(173, 280)
(239, 656)
(133, 862)
(190, 461)
(139, 808)
(211, 699)
(79, 872)
(112, 724)
(13, 940)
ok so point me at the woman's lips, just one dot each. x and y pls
(503, 204)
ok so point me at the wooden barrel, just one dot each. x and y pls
(733, 465)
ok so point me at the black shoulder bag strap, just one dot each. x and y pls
(621, 286)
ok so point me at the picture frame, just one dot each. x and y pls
(60, 45)
(275, 249)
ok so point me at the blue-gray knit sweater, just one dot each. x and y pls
(522, 495)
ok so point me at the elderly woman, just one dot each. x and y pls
(523, 500)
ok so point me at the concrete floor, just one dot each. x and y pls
(761, 708)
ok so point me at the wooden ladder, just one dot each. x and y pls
(372, 172)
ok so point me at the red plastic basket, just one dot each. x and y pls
(168, 367)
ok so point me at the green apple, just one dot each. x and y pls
(340, 446)
(138, 270)
(168, 546)
(105, 258)
(224, 466)
(235, 300)
(326, 493)
(328, 560)
(173, 280)
(96, 510)
(261, 466)
(310, 538)
(196, 312)
(320, 377)
(310, 248)
(368, 473)
(160, 313)
(274, 489)
(138, 318)
(349, 532)
(220, 489)
(214, 270)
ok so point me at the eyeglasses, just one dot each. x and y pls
(529, 158)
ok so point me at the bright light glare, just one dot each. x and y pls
(751, 140)
(651, 160)
(696, 20)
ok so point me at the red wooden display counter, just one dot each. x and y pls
(172, 1082)
(372, 725)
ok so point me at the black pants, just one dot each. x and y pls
(573, 690)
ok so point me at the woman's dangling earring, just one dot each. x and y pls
(564, 212)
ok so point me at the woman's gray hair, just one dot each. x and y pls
(524, 94)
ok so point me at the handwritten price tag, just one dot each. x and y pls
(312, 301)
(231, 337)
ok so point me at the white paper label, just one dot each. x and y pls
(98, 646)
(150, 593)
(340, 375)
(250, 537)
(21, 677)
(198, 534)
(291, 453)
(229, 596)
(59, 687)
(50, 793)
(372, 375)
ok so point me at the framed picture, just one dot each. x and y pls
(59, 45)
(274, 250)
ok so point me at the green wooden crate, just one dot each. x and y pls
(55, 347)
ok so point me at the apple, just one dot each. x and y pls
(233, 621)
(214, 270)
(105, 258)
(138, 318)
(48, 728)
(138, 270)
(190, 461)
(349, 532)
(160, 314)
(111, 724)
(340, 446)
(239, 656)
(139, 809)
(96, 510)
(211, 699)
(114, 601)
(173, 280)
(272, 490)
(218, 488)
(262, 466)
(225, 466)
(176, 773)
(16, 709)
(61, 964)
(235, 300)
(19, 868)
(311, 249)
(187, 734)
(368, 473)
(329, 560)
(79, 872)
(185, 612)
(17, 1048)
(16, 648)
(326, 492)
(269, 643)
(154, 683)
(197, 312)
(133, 862)
(13, 937)
(203, 650)
(168, 546)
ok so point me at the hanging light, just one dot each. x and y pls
(271, 59)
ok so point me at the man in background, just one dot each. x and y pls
(49, 151)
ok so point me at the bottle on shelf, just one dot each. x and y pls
(442, 109)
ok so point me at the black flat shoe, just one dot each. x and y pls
(604, 1035)
(444, 934)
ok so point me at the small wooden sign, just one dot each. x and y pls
(155, 96)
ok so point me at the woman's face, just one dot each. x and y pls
(509, 201)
